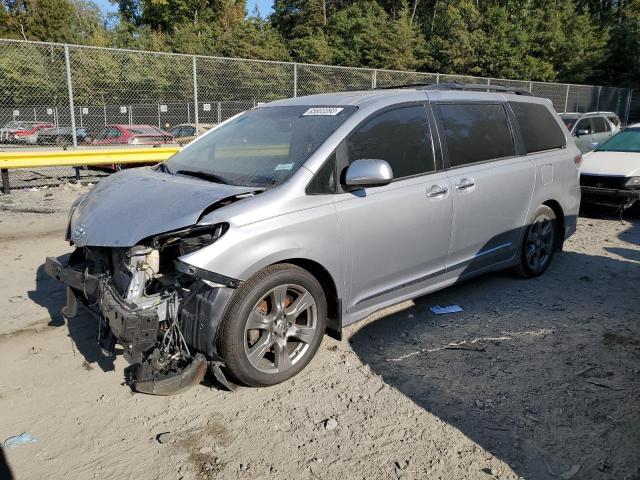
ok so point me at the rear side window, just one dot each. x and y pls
(539, 129)
(584, 127)
(399, 136)
(475, 132)
(599, 125)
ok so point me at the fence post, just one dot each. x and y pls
(219, 111)
(72, 109)
(530, 86)
(628, 109)
(437, 78)
(295, 80)
(566, 100)
(598, 99)
(195, 94)
(104, 111)
(6, 188)
(374, 79)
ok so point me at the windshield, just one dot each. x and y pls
(262, 147)
(626, 141)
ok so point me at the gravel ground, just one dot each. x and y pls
(537, 379)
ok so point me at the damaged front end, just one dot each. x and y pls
(163, 312)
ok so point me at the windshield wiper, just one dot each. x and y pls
(212, 177)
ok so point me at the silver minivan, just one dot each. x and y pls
(301, 216)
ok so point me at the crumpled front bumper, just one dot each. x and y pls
(202, 309)
(134, 328)
(59, 269)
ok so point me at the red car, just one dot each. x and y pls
(23, 132)
(132, 135)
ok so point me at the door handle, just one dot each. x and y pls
(437, 191)
(465, 184)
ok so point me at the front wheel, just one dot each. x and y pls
(539, 243)
(273, 326)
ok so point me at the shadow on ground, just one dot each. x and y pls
(551, 383)
(83, 329)
(5, 471)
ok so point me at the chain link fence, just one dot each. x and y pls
(84, 91)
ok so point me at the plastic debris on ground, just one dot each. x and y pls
(438, 310)
(12, 442)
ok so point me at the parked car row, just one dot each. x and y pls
(45, 133)
(22, 132)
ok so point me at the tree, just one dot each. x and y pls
(454, 37)
(623, 62)
(364, 35)
(251, 38)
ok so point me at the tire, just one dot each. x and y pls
(538, 244)
(288, 307)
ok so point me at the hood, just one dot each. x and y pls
(619, 164)
(131, 205)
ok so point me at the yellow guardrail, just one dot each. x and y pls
(77, 158)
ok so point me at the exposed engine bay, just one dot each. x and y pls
(163, 312)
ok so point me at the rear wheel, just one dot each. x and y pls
(273, 326)
(539, 243)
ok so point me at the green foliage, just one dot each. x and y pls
(579, 41)
(363, 34)
(623, 63)
(251, 38)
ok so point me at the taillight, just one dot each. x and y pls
(578, 160)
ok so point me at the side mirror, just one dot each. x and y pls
(368, 173)
(582, 131)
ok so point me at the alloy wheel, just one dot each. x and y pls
(280, 328)
(539, 243)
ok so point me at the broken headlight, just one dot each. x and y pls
(190, 239)
(72, 210)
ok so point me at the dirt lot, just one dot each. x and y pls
(537, 379)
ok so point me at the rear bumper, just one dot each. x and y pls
(609, 196)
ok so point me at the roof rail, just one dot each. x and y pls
(481, 87)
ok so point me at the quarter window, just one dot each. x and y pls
(400, 136)
(475, 132)
(324, 180)
(539, 129)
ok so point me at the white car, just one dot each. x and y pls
(592, 128)
(610, 175)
